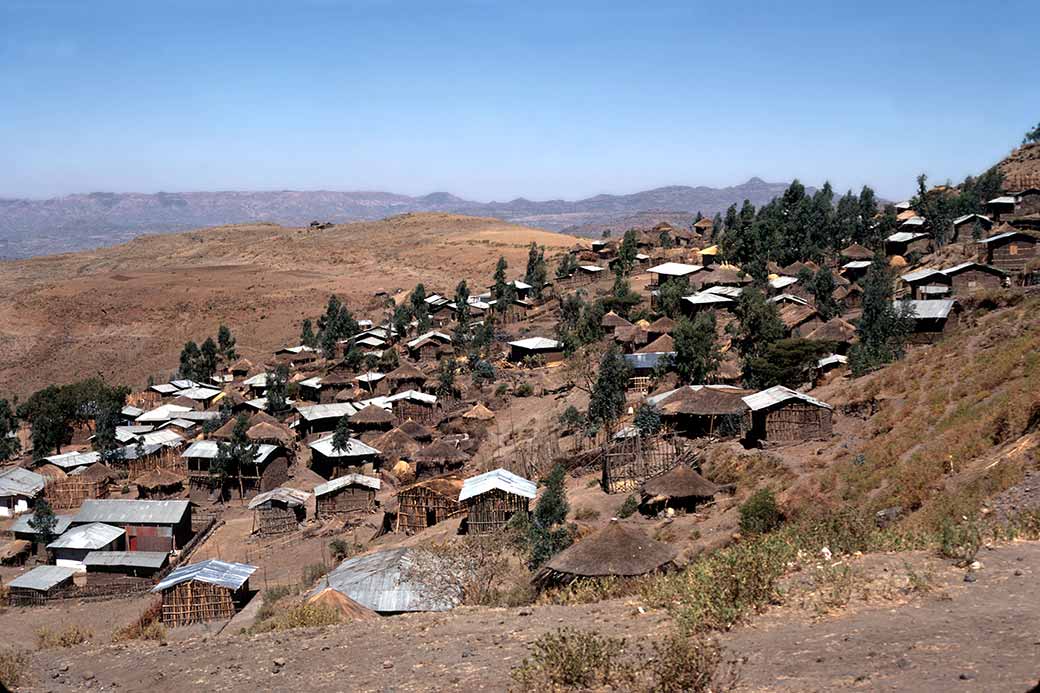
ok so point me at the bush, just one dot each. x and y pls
(14, 669)
(340, 549)
(760, 514)
(682, 664)
(959, 541)
(302, 616)
(583, 514)
(575, 659)
(523, 390)
(271, 597)
(630, 505)
(69, 636)
(312, 573)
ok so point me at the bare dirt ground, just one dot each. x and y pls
(125, 312)
(977, 636)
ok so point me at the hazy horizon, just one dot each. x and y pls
(494, 103)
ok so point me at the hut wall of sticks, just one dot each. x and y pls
(346, 501)
(72, 491)
(427, 503)
(490, 511)
(628, 462)
(790, 421)
(273, 520)
(165, 458)
(197, 602)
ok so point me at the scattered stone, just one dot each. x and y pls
(525, 612)
(388, 664)
(88, 676)
(63, 667)
(903, 663)
(966, 677)
(975, 565)
(1018, 572)
(883, 518)
(969, 577)
(279, 662)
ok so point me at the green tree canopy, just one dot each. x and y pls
(697, 355)
(9, 446)
(607, 402)
(226, 344)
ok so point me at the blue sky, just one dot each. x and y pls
(494, 100)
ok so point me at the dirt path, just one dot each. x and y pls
(979, 636)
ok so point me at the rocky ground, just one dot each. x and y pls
(939, 634)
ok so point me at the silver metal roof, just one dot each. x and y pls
(316, 412)
(71, 460)
(969, 265)
(535, 343)
(164, 437)
(934, 309)
(914, 221)
(1003, 200)
(198, 393)
(380, 581)
(728, 291)
(259, 380)
(93, 536)
(782, 282)
(212, 571)
(131, 411)
(857, 264)
(17, 481)
(675, 269)
(650, 360)
(703, 298)
(344, 481)
(789, 298)
(370, 377)
(293, 498)
(592, 268)
(918, 275)
(209, 449)
(115, 511)
(777, 395)
(960, 220)
(127, 559)
(831, 360)
(1005, 235)
(355, 448)
(660, 397)
(501, 479)
(433, 334)
(43, 578)
(21, 525)
(902, 237)
(162, 413)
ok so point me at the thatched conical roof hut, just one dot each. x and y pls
(617, 550)
(439, 455)
(405, 373)
(259, 417)
(681, 483)
(612, 320)
(663, 325)
(275, 434)
(159, 482)
(396, 443)
(416, 430)
(372, 416)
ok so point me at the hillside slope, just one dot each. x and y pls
(125, 312)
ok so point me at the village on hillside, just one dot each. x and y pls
(549, 424)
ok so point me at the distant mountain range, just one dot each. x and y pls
(84, 221)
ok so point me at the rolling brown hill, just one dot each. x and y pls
(1021, 168)
(124, 312)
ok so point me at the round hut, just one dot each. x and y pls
(616, 550)
(680, 489)
(405, 377)
(160, 484)
(395, 444)
(274, 434)
(438, 457)
(479, 413)
(417, 431)
(372, 418)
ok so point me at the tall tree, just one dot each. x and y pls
(607, 402)
(341, 436)
(226, 343)
(446, 372)
(278, 390)
(307, 335)
(9, 445)
(822, 286)
(626, 257)
(208, 359)
(697, 352)
(420, 309)
(883, 327)
(44, 523)
(537, 271)
(758, 325)
(234, 456)
(190, 357)
(670, 295)
(549, 534)
(500, 279)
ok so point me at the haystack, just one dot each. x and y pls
(479, 413)
(336, 601)
(159, 482)
(616, 550)
(682, 488)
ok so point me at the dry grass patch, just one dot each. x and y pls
(69, 636)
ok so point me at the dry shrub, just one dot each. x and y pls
(590, 590)
(576, 660)
(585, 514)
(570, 659)
(14, 669)
(474, 570)
(69, 636)
(299, 616)
(831, 588)
(148, 626)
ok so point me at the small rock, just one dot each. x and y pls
(969, 577)
(1018, 572)
(467, 654)
(966, 677)
(388, 664)
(63, 667)
(88, 676)
(975, 565)
(279, 662)
(903, 663)
(525, 612)
(56, 675)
